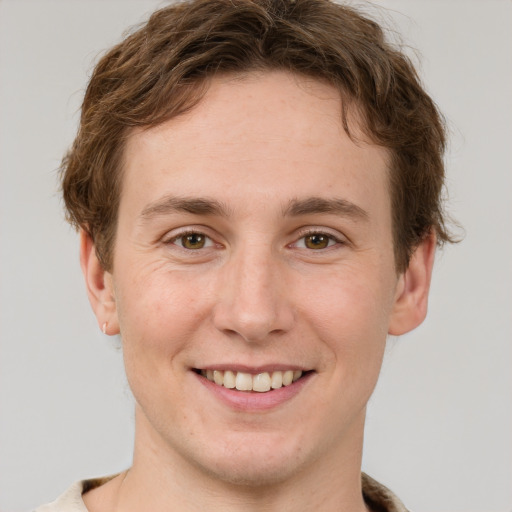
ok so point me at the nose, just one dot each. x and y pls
(253, 300)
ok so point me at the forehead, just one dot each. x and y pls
(266, 134)
(244, 103)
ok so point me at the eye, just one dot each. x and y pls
(316, 241)
(192, 241)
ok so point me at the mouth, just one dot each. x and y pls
(260, 382)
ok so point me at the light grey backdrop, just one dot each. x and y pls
(440, 423)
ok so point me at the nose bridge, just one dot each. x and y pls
(252, 301)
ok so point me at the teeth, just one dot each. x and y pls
(218, 378)
(287, 377)
(262, 382)
(277, 380)
(229, 379)
(243, 381)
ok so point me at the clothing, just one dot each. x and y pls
(378, 497)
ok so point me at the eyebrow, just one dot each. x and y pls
(194, 205)
(211, 207)
(320, 205)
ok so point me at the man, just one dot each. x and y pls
(257, 185)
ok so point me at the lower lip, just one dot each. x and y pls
(248, 401)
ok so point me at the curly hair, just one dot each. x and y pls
(163, 68)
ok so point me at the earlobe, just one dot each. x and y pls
(99, 286)
(411, 301)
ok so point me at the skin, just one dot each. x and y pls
(255, 295)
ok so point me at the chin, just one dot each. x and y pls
(251, 475)
(255, 462)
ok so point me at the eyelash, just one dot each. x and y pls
(183, 234)
(303, 235)
(319, 232)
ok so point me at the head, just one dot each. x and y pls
(257, 184)
(163, 69)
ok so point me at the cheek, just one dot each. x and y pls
(164, 317)
(350, 316)
(158, 316)
(157, 322)
(357, 301)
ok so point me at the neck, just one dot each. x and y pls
(162, 479)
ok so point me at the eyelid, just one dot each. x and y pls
(336, 237)
(170, 237)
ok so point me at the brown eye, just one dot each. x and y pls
(192, 241)
(317, 241)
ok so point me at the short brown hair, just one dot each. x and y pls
(162, 69)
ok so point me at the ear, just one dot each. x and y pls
(99, 285)
(411, 298)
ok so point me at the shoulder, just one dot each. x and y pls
(71, 500)
(378, 497)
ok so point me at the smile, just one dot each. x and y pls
(261, 382)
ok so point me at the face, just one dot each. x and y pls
(253, 281)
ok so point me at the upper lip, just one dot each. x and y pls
(253, 370)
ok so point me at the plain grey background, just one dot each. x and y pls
(440, 422)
